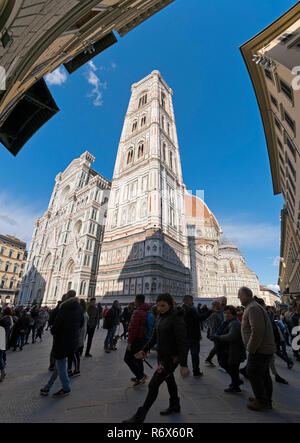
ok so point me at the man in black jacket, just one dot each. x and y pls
(92, 312)
(65, 331)
(51, 321)
(192, 320)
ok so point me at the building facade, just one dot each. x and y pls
(270, 297)
(38, 37)
(12, 254)
(65, 246)
(217, 267)
(157, 237)
(273, 58)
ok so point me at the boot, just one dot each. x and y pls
(138, 417)
(174, 406)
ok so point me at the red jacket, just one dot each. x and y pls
(138, 323)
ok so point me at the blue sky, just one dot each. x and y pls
(195, 45)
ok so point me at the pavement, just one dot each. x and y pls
(104, 393)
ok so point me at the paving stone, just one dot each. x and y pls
(104, 393)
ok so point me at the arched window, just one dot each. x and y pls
(130, 156)
(141, 150)
(163, 100)
(143, 121)
(82, 288)
(134, 126)
(163, 122)
(171, 160)
(164, 152)
(143, 100)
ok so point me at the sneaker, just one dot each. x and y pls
(281, 380)
(107, 350)
(61, 393)
(44, 391)
(134, 379)
(88, 355)
(141, 381)
(210, 363)
(76, 374)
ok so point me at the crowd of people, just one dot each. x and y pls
(252, 333)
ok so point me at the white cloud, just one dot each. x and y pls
(251, 235)
(57, 77)
(95, 81)
(16, 218)
(275, 288)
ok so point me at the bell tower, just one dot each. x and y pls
(146, 211)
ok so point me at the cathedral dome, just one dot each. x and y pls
(196, 208)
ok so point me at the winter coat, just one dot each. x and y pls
(41, 319)
(112, 318)
(257, 331)
(192, 320)
(213, 323)
(7, 323)
(170, 336)
(138, 323)
(2, 339)
(229, 343)
(66, 328)
(82, 330)
(92, 312)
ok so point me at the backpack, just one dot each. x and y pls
(148, 328)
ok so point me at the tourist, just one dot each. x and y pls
(259, 341)
(230, 348)
(75, 357)
(65, 331)
(92, 312)
(100, 309)
(2, 351)
(7, 322)
(172, 347)
(192, 320)
(213, 323)
(32, 326)
(41, 321)
(20, 331)
(125, 318)
(104, 312)
(137, 338)
(111, 322)
(52, 317)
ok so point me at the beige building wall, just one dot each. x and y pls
(12, 252)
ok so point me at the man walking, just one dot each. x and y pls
(65, 331)
(259, 341)
(137, 333)
(193, 320)
(92, 312)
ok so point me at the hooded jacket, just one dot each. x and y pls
(170, 335)
(138, 323)
(66, 328)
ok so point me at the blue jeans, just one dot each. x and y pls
(60, 369)
(1, 361)
(109, 341)
(21, 340)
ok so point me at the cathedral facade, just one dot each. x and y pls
(65, 246)
(142, 233)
